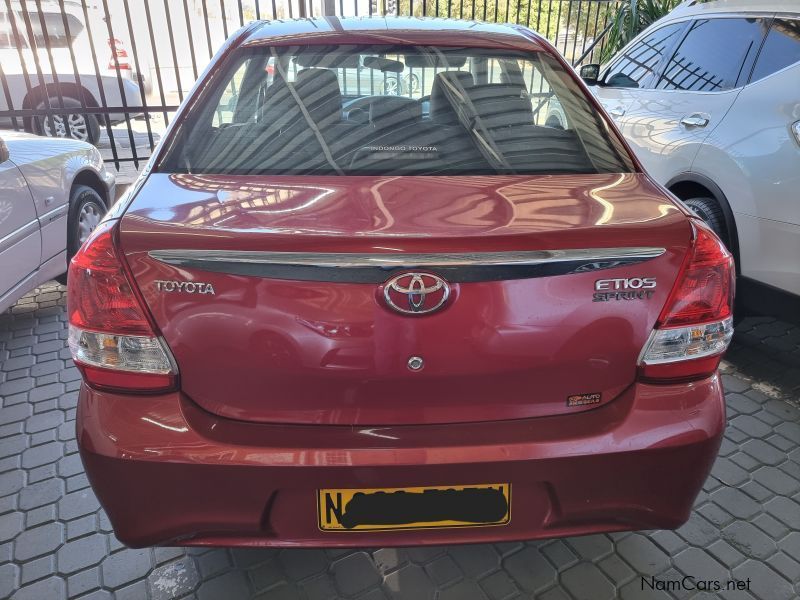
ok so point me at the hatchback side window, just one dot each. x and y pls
(7, 39)
(56, 33)
(714, 56)
(638, 66)
(781, 49)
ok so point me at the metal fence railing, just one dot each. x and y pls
(113, 72)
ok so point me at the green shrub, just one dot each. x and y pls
(633, 17)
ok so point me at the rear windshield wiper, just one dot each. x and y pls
(307, 115)
(470, 120)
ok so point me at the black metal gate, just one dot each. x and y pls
(113, 72)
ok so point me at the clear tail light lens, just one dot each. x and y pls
(696, 325)
(681, 352)
(112, 340)
(132, 353)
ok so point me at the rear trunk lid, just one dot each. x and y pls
(262, 336)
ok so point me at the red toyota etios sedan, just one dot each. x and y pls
(394, 282)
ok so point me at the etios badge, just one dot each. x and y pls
(416, 293)
(629, 288)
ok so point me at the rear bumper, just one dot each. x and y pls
(169, 473)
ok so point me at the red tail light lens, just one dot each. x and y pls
(696, 325)
(111, 338)
(99, 296)
(704, 291)
(119, 55)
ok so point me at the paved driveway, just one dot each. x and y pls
(56, 542)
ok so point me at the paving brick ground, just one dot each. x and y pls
(56, 542)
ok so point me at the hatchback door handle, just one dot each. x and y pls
(694, 120)
(617, 111)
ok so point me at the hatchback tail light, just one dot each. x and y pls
(119, 55)
(696, 323)
(112, 339)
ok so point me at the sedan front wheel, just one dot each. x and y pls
(86, 210)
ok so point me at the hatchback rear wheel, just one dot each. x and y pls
(710, 211)
(75, 125)
(392, 86)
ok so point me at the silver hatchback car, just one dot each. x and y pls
(48, 52)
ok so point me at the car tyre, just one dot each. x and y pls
(144, 83)
(412, 83)
(710, 211)
(86, 209)
(83, 127)
(393, 86)
(554, 122)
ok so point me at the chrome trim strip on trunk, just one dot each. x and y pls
(375, 268)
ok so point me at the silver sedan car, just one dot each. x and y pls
(53, 192)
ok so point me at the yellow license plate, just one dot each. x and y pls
(414, 507)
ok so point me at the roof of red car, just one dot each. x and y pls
(394, 30)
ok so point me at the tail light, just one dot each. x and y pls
(696, 323)
(111, 336)
(119, 55)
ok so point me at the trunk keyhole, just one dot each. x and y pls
(415, 363)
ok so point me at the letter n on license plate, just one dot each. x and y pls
(414, 507)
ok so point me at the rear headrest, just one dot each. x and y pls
(502, 104)
(391, 110)
(440, 108)
(277, 97)
(319, 91)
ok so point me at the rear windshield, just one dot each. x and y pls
(384, 110)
